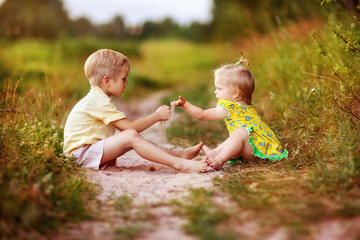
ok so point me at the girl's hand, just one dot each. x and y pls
(179, 103)
(163, 112)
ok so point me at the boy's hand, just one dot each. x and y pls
(163, 112)
(178, 103)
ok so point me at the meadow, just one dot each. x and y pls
(307, 90)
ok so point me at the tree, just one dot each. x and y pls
(197, 32)
(82, 27)
(114, 29)
(239, 18)
(165, 28)
(33, 18)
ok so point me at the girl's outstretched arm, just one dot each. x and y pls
(210, 114)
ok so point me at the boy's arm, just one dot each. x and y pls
(210, 114)
(161, 114)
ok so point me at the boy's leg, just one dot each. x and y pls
(118, 144)
(187, 153)
(236, 144)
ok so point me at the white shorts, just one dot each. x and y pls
(89, 156)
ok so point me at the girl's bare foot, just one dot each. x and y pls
(193, 166)
(207, 151)
(187, 153)
(214, 163)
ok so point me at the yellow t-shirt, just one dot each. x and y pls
(88, 122)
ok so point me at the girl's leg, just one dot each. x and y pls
(118, 144)
(236, 144)
(211, 153)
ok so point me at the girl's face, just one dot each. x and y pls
(222, 91)
(118, 84)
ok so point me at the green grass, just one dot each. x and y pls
(132, 220)
(39, 187)
(176, 62)
(205, 218)
(43, 64)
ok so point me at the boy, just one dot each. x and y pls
(89, 133)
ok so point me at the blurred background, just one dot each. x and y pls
(170, 44)
(203, 20)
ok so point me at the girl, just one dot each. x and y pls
(249, 136)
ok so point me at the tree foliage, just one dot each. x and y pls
(238, 18)
(232, 19)
(347, 98)
(114, 29)
(167, 27)
(34, 18)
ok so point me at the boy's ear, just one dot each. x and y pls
(105, 80)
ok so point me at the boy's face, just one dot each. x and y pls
(118, 84)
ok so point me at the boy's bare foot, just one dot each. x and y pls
(215, 164)
(187, 153)
(193, 166)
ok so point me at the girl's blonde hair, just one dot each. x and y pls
(238, 79)
(105, 62)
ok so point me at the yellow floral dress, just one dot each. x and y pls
(261, 137)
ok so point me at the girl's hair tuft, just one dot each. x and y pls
(241, 61)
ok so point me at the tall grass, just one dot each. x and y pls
(39, 187)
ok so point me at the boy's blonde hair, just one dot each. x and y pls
(238, 79)
(105, 62)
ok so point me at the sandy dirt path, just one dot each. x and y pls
(135, 177)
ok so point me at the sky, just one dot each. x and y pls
(135, 12)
